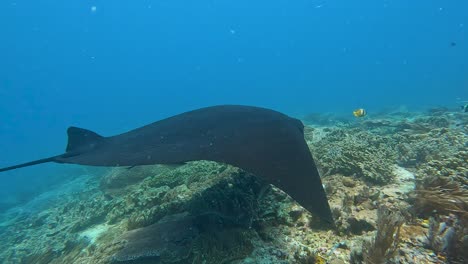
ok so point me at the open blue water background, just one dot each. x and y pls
(129, 63)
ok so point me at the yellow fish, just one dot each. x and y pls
(320, 260)
(359, 112)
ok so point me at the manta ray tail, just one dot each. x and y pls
(78, 140)
(28, 164)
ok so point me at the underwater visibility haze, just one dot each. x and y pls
(379, 85)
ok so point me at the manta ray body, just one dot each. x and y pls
(264, 142)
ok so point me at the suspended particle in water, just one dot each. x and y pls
(93, 9)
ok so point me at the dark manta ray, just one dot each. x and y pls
(264, 142)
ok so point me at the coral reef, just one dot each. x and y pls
(206, 212)
(384, 245)
(442, 195)
(169, 240)
(327, 119)
(356, 152)
(445, 201)
(447, 236)
(223, 246)
(118, 179)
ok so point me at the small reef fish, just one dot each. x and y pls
(359, 112)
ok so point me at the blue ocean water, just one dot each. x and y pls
(111, 66)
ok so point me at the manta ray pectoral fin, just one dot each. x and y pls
(80, 137)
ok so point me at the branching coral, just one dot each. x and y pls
(356, 152)
(441, 144)
(385, 243)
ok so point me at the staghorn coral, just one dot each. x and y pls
(385, 243)
(453, 166)
(441, 145)
(356, 152)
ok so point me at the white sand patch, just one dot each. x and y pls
(94, 232)
(405, 179)
(404, 184)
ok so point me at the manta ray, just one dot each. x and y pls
(261, 141)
